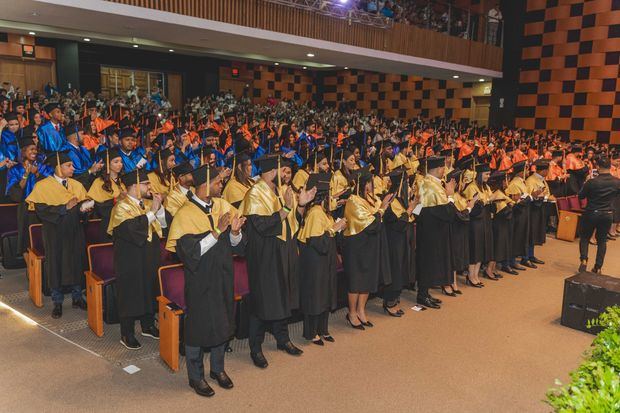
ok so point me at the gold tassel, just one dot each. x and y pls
(138, 183)
(107, 163)
(161, 167)
(208, 181)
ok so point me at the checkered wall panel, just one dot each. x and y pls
(570, 69)
(399, 96)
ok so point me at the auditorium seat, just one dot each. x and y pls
(8, 218)
(172, 305)
(34, 264)
(99, 289)
(92, 232)
(166, 257)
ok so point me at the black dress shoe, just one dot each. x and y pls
(57, 311)
(222, 379)
(259, 360)
(509, 270)
(528, 264)
(536, 261)
(517, 267)
(131, 343)
(318, 342)
(435, 300)
(448, 293)
(329, 338)
(152, 332)
(79, 303)
(290, 349)
(457, 292)
(596, 269)
(583, 265)
(427, 302)
(201, 388)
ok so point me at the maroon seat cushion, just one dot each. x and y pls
(563, 204)
(173, 285)
(240, 269)
(8, 218)
(101, 259)
(92, 232)
(166, 257)
(36, 238)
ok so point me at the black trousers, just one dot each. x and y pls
(257, 328)
(128, 323)
(601, 222)
(316, 325)
(195, 364)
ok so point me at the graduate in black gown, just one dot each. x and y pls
(398, 220)
(365, 249)
(517, 190)
(541, 197)
(502, 220)
(107, 189)
(459, 232)
(317, 259)
(267, 226)
(61, 205)
(204, 233)
(435, 214)
(21, 180)
(136, 228)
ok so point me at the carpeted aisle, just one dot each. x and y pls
(497, 349)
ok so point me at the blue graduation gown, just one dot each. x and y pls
(8, 146)
(16, 173)
(51, 140)
(130, 162)
(81, 158)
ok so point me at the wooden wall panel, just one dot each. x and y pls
(27, 74)
(571, 82)
(402, 39)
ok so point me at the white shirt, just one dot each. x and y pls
(495, 16)
(209, 241)
(183, 190)
(160, 215)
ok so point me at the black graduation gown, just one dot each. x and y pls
(104, 210)
(480, 234)
(318, 283)
(366, 259)
(576, 179)
(25, 218)
(290, 263)
(520, 228)
(65, 247)
(538, 222)
(434, 248)
(399, 249)
(502, 234)
(136, 261)
(209, 289)
(269, 296)
(459, 240)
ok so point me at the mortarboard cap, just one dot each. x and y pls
(25, 142)
(182, 169)
(57, 158)
(51, 106)
(134, 177)
(433, 162)
(320, 181)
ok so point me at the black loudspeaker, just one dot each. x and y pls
(586, 295)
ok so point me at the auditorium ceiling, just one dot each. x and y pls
(116, 24)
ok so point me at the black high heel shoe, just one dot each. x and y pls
(357, 327)
(458, 292)
(472, 284)
(449, 294)
(391, 314)
(485, 275)
(367, 323)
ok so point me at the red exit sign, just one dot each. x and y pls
(235, 72)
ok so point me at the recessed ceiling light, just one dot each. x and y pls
(277, 64)
(346, 68)
(171, 50)
(86, 39)
(455, 76)
(31, 33)
(34, 13)
(135, 45)
(480, 80)
(305, 67)
(310, 54)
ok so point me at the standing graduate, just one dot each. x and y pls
(161, 177)
(267, 212)
(459, 230)
(365, 249)
(517, 190)
(241, 181)
(136, 227)
(398, 222)
(502, 221)
(182, 191)
(205, 232)
(435, 215)
(60, 203)
(539, 189)
(85, 168)
(52, 134)
(107, 188)
(21, 181)
(318, 259)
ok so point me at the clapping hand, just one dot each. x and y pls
(450, 187)
(156, 203)
(72, 202)
(288, 198)
(306, 196)
(223, 223)
(237, 224)
(386, 201)
(340, 225)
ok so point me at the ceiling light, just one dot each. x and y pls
(277, 64)
(455, 76)
(86, 39)
(31, 33)
(34, 13)
(171, 50)
(310, 54)
(135, 45)
(480, 80)
(346, 68)
(305, 67)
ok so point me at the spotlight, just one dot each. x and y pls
(135, 45)
(480, 80)
(346, 68)
(171, 50)
(32, 33)
(86, 39)
(455, 76)
(277, 64)
(310, 54)
(305, 67)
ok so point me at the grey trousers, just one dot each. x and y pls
(194, 361)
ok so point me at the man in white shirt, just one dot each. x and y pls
(494, 19)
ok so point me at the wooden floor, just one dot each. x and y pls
(497, 349)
